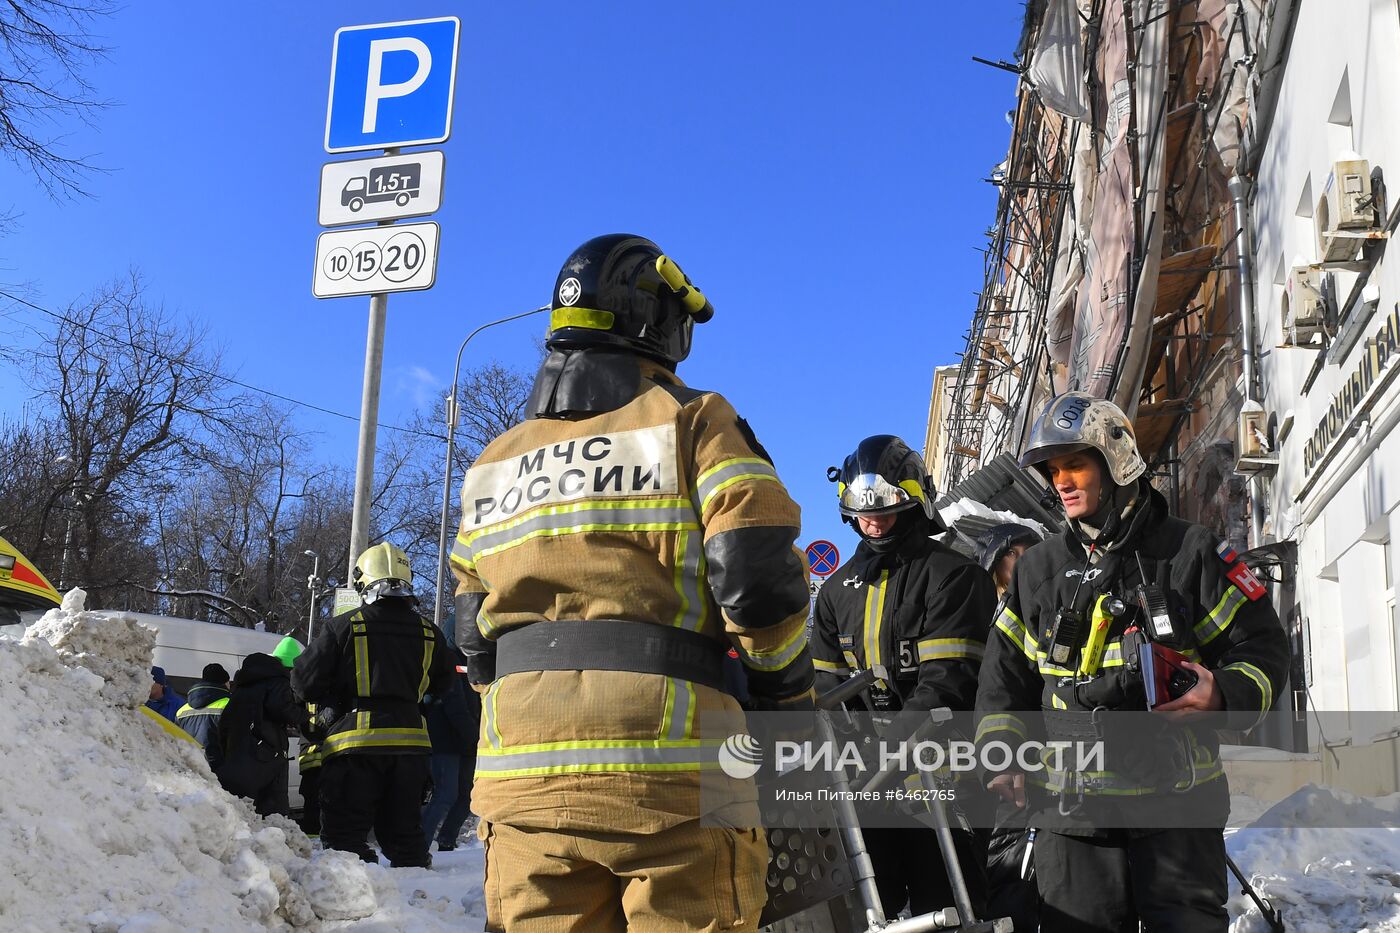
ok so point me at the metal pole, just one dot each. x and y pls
(311, 582)
(446, 498)
(1244, 250)
(369, 424)
(452, 412)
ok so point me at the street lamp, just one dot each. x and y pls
(313, 584)
(447, 471)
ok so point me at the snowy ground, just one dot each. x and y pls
(1323, 878)
(110, 825)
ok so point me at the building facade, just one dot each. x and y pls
(1328, 314)
(1193, 221)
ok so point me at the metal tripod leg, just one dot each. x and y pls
(1271, 914)
(961, 899)
(853, 839)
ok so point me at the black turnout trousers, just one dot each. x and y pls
(1172, 880)
(360, 792)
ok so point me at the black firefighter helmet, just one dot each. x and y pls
(881, 477)
(621, 291)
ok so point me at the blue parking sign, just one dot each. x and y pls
(391, 84)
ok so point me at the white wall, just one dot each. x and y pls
(1352, 46)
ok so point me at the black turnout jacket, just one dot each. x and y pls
(922, 611)
(1227, 626)
(367, 672)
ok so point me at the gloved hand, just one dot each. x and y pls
(326, 717)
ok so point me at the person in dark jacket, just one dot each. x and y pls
(1137, 836)
(202, 710)
(163, 699)
(367, 672)
(454, 720)
(1000, 547)
(254, 729)
(920, 610)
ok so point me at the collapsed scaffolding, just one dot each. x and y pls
(1110, 267)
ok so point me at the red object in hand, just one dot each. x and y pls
(1164, 674)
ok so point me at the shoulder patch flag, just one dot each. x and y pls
(1239, 572)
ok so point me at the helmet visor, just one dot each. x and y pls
(871, 494)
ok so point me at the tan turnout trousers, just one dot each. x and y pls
(687, 879)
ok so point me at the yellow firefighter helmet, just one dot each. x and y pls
(383, 570)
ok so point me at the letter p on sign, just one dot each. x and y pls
(392, 84)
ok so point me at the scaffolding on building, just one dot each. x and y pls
(1045, 318)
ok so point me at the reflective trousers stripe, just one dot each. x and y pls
(580, 757)
(679, 715)
(490, 732)
(726, 474)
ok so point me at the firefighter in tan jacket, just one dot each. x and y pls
(612, 548)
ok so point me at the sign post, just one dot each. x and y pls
(391, 86)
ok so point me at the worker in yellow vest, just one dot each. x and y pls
(202, 710)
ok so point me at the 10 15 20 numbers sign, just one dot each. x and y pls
(371, 260)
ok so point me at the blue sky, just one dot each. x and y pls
(816, 169)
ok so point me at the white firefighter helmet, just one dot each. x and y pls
(382, 570)
(1078, 421)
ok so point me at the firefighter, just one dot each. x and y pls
(1140, 840)
(921, 610)
(366, 672)
(611, 548)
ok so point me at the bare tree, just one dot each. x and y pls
(128, 388)
(408, 478)
(45, 51)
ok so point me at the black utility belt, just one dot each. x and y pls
(611, 645)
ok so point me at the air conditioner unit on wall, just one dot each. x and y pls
(1305, 308)
(1346, 211)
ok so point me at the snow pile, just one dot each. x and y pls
(1327, 860)
(110, 824)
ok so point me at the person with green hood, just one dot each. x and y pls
(254, 728)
